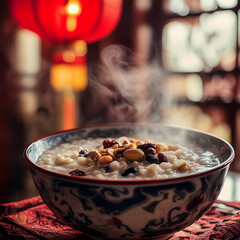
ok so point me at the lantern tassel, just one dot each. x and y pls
(68, 110)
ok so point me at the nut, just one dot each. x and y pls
(105, 159)
(123, 140)
(138, 142)
(132, 145)
(118, 150)
(103, 150)
(95, 155)
(115, 146)
(182, 167)
(126, 146)
(160, 148)
(133, 154)
(110, 152)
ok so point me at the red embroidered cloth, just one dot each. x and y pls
(31, 220)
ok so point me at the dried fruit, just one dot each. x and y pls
(144, 147)
(152, 158)
(150, 151)
(107, 169)
(83, 153)
(77, 172)
(162, 157)
(132, 170)
(133, 154)
(109, 143)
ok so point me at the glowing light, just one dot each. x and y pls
(227, 3)
(71, 24)
(194, 88)
(69, 110)
(73, 8)
(80, 47)
(68, 56)
(64, 76)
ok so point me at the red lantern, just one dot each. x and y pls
(61, 21)
(64, 21)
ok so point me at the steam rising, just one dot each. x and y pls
(124, 88)
(128, 88)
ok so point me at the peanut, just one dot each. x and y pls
(182, 167)
(110, 152)
(103, 150)
(132, 145)
(115, 146)
(105, 159)
(133, 154)
(123, 140)
(115, 151)
(138, 142)
(95, 155)
(126, 145)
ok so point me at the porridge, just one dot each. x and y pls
(125, 158)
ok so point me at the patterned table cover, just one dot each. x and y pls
(31, 219)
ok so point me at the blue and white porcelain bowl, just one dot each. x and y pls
(130, 209)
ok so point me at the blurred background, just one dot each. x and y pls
(170, 61)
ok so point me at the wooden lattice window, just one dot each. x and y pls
(199, 45)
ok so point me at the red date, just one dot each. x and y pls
(77, 172)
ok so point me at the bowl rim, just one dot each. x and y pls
(85, 179)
